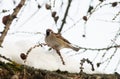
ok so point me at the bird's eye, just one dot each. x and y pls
(48, 32)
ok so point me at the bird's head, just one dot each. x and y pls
(48, 32)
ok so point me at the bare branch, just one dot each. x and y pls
(116, 15)
(24, 56)
(82, 62)
(8, 59)
(118, 65)
(10, 20)
(110, 58)
(87, 17)
(65, 16)
(99, 49)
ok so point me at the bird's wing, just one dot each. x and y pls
(59, 36)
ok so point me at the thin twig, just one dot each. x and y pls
(30, 49)
(65, 16)
(118, 65)
(8, 59)
(110, 58)
(116, 15)
(83, 61)
(91, 13)
(100, 49)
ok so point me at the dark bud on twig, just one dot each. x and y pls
(39, 6)
(85, 18)
(114, 4)
(92, 68)
(83, 35)
(90, 9)
(5, 19)
(14, 2)
(98, 64)
(48, 6)
(101, 0)
(53, 14)
(23, 56)
(56, 19)
(116, 73)
(4, 10)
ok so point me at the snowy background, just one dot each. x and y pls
(28, 29)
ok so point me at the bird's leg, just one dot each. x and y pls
(58, 52)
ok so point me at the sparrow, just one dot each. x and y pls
(57, 42)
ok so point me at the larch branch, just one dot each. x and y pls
(99, 49)
(10, 20)
(65, 16)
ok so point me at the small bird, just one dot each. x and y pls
(57, 42)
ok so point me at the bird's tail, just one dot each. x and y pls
(74, 48)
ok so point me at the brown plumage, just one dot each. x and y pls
(57, 42)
